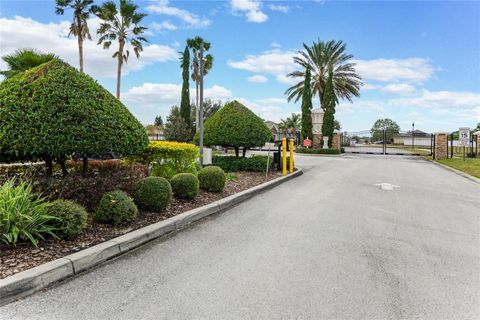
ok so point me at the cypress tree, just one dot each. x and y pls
(307, 107)
(328, 102)
(185, 101)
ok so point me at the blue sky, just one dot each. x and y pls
(420, 61)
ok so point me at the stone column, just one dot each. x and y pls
(336, 143)
(477, 135)
(441, 145)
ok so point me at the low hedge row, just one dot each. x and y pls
(317, 151)
(232, 164)
(168, 158)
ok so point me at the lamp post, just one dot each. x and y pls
(413, 133)
(200, 113)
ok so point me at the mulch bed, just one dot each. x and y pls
(25, 256)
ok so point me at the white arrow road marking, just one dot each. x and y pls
(386, 186)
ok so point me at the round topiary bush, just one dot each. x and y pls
(235, 126)
(212, 179)
(116, 207)
(153, 194)
(185, 185)
(64, 111)
(72, 217)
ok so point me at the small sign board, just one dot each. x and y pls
(464, 136)
(307, 143)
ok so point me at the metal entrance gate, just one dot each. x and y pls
(388, 142)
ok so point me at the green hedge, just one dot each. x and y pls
(72, 217)
(185, 185)
(317, 151)
(116, 207)
(232, 164)
(212, 179)
(153, 194)
(53, 110)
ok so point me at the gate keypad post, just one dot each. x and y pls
(441, 145)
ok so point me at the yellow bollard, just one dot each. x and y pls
(284, 156)
(291, 155)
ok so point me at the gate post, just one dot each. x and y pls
(441, 144)
(336, 143)
(477, 142)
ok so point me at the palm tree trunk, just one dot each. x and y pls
(80, 41)
(119, 67)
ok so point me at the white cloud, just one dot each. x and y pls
(217, 92)
(442, 100)
(190, 19)
(251, 8)
(21, 32)
(163, 26)
(398, 88)
(414, 70)
(279, 8)
(152, 99)
(277, 63)
(266, 110)
(258, 79)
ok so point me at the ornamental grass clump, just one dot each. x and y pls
(72, 217)
(153, 194)
(116, 207)
(185, 186)
(23, 216)
(212, 179)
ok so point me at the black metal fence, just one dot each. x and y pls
(456, 150)
(388, 142)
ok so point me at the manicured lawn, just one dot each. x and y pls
(470, 166)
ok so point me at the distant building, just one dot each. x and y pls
(275, 129)
(155, 132)
(419, 138)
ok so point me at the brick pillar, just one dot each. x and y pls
(477, 135)
(441, 143)
(317, 141)
(336, 143)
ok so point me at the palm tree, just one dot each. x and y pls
(79, 27)
(291, 124)
(320, 57)
(122, 24)
(194, 44)
(22, 60)
(294, 122)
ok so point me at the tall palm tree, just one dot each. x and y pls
(22, 60)
(194, 45)
(122, 24)
(79, 26)
(320, 57)
(291, 124)
(294, 122)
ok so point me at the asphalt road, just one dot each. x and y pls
(327, 245)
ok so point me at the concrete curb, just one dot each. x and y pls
(32, 280)
(460, 173)
(321, 155)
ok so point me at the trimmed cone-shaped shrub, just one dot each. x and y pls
(235, 126)
(72, 217)
(53, 110)
(212, 179)
(185, 186)
(153, 194)
(116, 207)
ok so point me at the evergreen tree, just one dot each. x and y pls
(158, 121)
(328, 103)
(307, 107)
(185, 101)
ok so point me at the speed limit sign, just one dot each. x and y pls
(464, 136)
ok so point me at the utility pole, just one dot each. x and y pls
(413, 133)
(200, 113)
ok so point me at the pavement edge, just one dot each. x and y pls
(27, 282)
